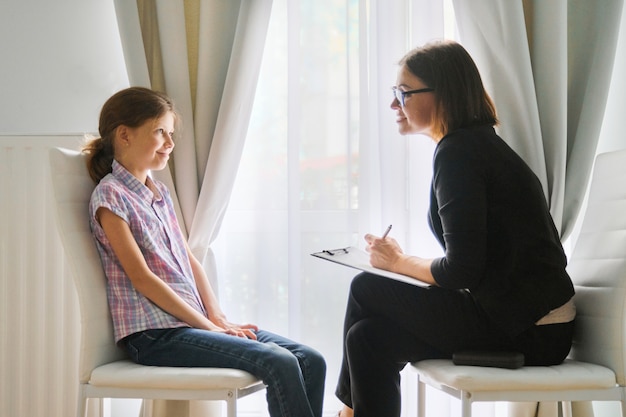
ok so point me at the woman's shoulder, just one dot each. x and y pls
(481, 142)
(469, 137)
(463, 144)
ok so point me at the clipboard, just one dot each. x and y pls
(359, 259)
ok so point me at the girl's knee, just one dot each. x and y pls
(280, 355)
(315, 360)
(311, 354)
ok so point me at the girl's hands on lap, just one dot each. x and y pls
(240, 330)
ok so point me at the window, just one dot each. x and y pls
(318, 161)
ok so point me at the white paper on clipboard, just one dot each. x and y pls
(359, 259)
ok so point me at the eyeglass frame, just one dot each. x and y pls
(400, 95)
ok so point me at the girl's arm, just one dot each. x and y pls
(211, 304)
(143, 279)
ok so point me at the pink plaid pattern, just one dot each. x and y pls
(152, 221)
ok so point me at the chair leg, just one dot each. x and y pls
(565, 408)
(421, 398)
(99, 404)
(146, 408)
(231, 404)
(466, 404)
(81, 407)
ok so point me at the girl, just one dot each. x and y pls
(164, 310)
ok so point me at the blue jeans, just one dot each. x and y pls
(294, 373)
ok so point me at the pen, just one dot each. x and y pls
(386, 232)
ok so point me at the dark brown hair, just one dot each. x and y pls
(460, 97)
(129, 107)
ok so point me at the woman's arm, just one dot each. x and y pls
(143, 279)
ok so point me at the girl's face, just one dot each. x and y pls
(147, 147)
(416, 116)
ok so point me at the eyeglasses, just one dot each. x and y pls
(400, 95)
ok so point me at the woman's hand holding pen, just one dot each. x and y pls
(384, 251)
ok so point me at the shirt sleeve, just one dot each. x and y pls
(108, 196)
(460, 191)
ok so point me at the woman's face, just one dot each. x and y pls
(416, 116)
(148, 147)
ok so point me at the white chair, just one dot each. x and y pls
(596, 367)
(104, 371)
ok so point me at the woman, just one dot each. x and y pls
(501, 284)
(164, 310)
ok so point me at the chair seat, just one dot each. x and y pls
(569, 375)
(127, 374)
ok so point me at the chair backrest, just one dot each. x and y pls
(72, 189)
(598, 268)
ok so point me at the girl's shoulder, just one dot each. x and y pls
(109, 185)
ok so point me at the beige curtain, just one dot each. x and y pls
(206, 55)
(548, 66)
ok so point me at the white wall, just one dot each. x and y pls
(60, 61)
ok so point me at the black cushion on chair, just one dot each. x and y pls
(509, 360)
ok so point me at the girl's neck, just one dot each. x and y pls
(141, 175)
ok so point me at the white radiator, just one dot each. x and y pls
(39, 325)
(39, 314)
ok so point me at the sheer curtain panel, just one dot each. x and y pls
(548, 66)
(322, 165)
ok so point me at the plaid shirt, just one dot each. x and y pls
(153, 223)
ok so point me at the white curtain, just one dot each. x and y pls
(322, 165)
(548, 66)
(206, 55)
